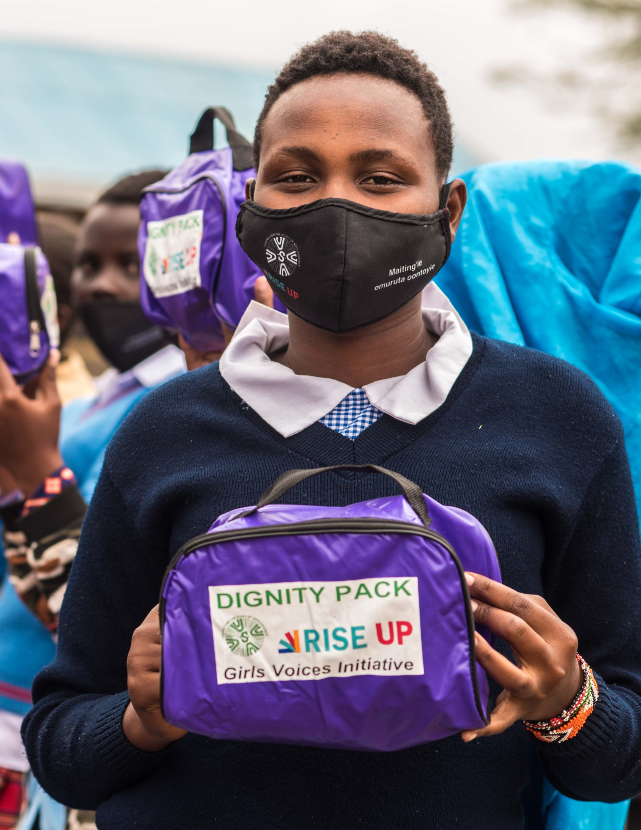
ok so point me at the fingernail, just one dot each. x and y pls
(469, 579)
(471, 737)
(474, 605)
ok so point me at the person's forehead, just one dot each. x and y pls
(330, 107)
(111, 224)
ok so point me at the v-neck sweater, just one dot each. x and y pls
(524, 441)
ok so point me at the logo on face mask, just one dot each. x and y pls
(282, 254)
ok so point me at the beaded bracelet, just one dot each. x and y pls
(570, 721)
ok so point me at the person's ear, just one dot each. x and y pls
(456, 204)
(250, 187)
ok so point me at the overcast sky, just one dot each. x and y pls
(461, 40)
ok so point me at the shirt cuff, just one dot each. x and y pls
(122, 759)
(607, 720)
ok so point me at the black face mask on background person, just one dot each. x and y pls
(122, 332)
(340, 265)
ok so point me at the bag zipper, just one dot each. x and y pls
(34, 309)
(315, 526)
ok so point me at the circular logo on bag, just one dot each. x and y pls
(282, 254)
(244, 635)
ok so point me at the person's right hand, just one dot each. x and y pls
(143, 723)
(29, 426)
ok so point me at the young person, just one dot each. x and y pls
(521, 440)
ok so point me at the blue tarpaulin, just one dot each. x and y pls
(548, 255)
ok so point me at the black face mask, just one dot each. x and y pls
(122, 332)
(340, 265)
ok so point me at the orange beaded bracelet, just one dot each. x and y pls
(568, 724)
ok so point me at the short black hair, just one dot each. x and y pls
(374, 54)
(128, 191)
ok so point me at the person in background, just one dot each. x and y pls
(58, 237)
(55, 457)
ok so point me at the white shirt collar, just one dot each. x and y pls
(159, 367)
(290, 403)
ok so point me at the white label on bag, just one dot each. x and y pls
(49, 307)
(310, 630)
(172, 254)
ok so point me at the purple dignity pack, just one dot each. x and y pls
(17, 214)
(28, 311)
(341, 627)
(195, 272)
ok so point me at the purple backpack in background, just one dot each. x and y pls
(341, 627)
(28, 310)
(195, 272)
(17, 213)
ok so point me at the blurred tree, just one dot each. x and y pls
(608, 78)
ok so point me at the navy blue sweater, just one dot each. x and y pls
(524, 441)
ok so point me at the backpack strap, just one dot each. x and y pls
(202, 137)
(291, 478)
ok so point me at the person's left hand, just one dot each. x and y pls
(29, 426)
(547, 676)
(194, 358)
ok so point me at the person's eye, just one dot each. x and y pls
(296, 179)
(88, 267)
(380, 180)
(132, 268)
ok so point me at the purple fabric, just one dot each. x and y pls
(14, 316)
(17, 214)
(206, 182)
(363, 712)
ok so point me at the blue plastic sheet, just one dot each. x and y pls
(548, 255)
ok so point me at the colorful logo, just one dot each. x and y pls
(282, 254)
(153, 261)
(291, 644)
(244, 635)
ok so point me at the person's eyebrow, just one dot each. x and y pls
(298, 153)
(377, 155)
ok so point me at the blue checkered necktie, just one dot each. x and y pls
(352, 415)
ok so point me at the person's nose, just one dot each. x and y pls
(106, 286)
(338, 186)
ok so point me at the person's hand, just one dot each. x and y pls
(263, 293)
(143, 723)
(195, 358)
(7, 482)
(29, 426)
(547, 676)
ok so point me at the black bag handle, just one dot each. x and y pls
(291, 478)
(202, 137)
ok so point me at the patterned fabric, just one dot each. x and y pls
(352, 415)
(52, 486)
(39, 564)
(14, 497)
(12, 796)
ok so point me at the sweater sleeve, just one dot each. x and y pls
(595, 587)
(73, 735)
